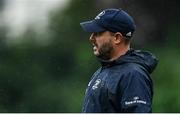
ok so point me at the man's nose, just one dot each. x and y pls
(91, 38)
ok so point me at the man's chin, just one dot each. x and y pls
(102, 56)
(96, 53)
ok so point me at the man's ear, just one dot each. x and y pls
(118, 38)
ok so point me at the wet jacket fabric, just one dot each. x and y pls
(123, 85)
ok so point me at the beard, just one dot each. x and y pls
(105, 51)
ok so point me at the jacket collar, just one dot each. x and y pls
(114, 62)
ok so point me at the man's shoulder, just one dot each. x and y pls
(126, 72)
(129, 70)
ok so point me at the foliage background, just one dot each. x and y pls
(52, 77)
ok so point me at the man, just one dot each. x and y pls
(123, 83)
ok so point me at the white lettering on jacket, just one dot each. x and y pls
(135, 100)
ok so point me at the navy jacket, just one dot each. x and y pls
(123, 85)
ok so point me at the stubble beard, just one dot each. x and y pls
(105, 51)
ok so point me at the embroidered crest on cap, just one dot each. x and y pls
(99, 15)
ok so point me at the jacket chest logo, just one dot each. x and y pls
(97, 82)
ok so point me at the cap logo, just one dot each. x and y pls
(99, 15)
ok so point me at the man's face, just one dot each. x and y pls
(102, 44)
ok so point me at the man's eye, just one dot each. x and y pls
(97, 34)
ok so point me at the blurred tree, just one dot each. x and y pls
(48, 78)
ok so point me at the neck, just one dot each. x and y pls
(119, 51)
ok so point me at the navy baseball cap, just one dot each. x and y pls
(114, 20)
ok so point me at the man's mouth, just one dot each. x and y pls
(94, 47)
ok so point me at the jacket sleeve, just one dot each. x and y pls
(136, 93)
